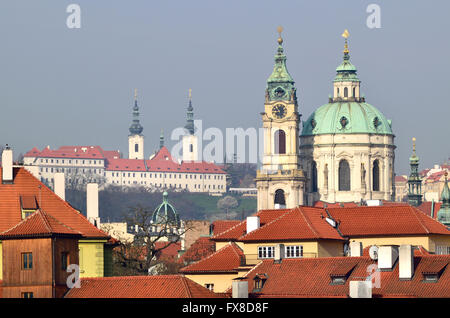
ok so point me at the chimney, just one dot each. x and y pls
(356, 249)
(387, 256)
(60, 185)
(7, 165)
(406, 262)
(239, 289)
(92, 203)
(252, 223)
(279, 252)
(360, 289)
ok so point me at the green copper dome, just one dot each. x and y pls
(165, 213)
(347, 118)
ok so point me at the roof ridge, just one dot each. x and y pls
(184, 282)
(18, 224)
(267, 224)
(209, 256)
(229, 229)
(43, 216)
(308, 221)
(418, 219)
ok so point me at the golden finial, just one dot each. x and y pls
(345, 35)
(280, 39)
(135, 94)
(414, 144)
(190, 93)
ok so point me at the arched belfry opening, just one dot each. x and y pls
(314, 177)
(344, 176)
(376, 176)
(280, 142)
(280, 200)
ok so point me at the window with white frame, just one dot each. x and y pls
(442, 250)
(293, 251)
(266, 251)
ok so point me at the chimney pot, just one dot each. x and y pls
(279, 252)
(92, 203)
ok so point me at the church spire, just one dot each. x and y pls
(190, 115)
(136, 128)
(161, 139)
(414, 180)
(280, 84)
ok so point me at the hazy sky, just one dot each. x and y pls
(61, 86)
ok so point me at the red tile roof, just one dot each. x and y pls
(311, 277)
(426, 206)
(169, 253)
(163, 286)
(400, 179)
(321, 204)
(235, 232)
(38, 224)
(385, 221)
(201, 248)
(74, 152)
(301, 223)
(126, 165)
(226, 259)
(25, 184)
(221, 226)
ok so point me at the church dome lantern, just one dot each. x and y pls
(165, 213)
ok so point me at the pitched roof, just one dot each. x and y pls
(39, 224)
(25, 184)
(163, 286)
(74, 152)
(385, 221)
(201, 248)
(221, 226)
(226, 259)
(311, 277)
(169, 253)
(426, 207)
(301, 223)
(126, 165)
(240, 229)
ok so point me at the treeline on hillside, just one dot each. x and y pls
(241, 175)
(115, 203)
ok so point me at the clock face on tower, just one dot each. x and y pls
(279, 111)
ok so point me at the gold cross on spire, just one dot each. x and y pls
(414, 145)
(280, 39)
(135, 94)
(345, 35)
(190, 93)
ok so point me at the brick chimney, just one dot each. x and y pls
(7, 165)
(60, 185)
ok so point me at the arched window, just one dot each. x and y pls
(313, 177)
(136, 147)
(191, 148)
(338, 92)
(280, 142)
(345, 92)
(279, 198)
(344, 176)
(376, 176)
(354, 91)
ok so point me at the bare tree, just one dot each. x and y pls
(77, 180)
(227, 203)
(142, 256)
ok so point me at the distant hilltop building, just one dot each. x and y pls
(84, 164)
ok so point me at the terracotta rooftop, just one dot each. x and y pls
(74, 152)
(385, 221)
(163, 286)
(26, 185)
(38, 224)
(312, 277)
(427, 206)
(221, 226)
(226, 259)
(201, 248)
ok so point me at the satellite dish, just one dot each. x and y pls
(373, 252)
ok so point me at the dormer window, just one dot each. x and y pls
(28, 205)
(433, 271)
(259, 281)
(341, 273)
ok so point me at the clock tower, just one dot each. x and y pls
(280, 181)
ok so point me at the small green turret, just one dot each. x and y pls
(414, 180)
(444, 211)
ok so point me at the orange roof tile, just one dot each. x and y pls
(38, 224)
(301, 223)
(221, 226)
(385, 221)
(426, 207)
(25, 184)
(226, 259)
(201, 248)
(311, 277)
(163, 286)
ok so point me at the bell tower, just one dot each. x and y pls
(135, 138)
(280, 181)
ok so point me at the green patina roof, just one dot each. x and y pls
(444, 211)
(165, 213)
(359, 118)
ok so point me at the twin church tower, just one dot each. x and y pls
(344, 153)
